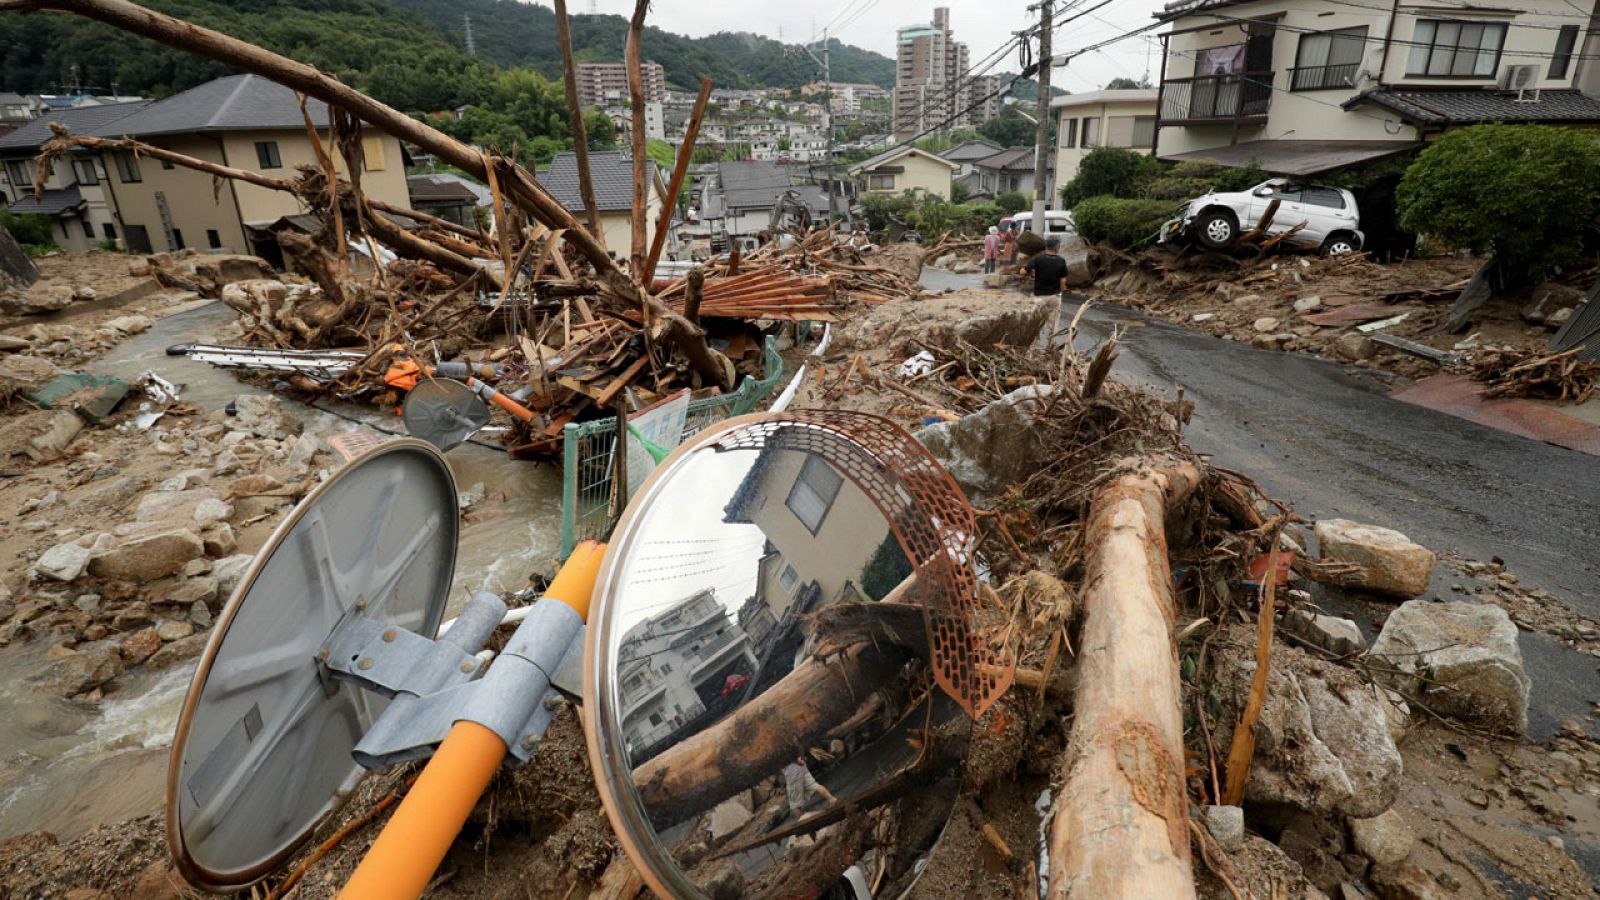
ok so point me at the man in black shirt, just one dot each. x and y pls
(1049, 270)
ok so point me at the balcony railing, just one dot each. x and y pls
(1319, 78)
(1217, 98)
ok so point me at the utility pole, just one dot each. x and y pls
(1041, 135)
(827, 118)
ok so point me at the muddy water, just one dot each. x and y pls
(66, 767)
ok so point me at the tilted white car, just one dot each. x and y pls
(1331, 218)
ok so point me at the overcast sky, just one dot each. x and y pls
(983, 25)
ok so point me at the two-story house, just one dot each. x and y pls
(1306, 86)
(905, 168)
(1124, 118)
(78, 195)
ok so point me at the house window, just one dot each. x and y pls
(1091, 133)
(1144, 132)
(128, 167)
(177, 239)
(1565, 42)
(372, 149)
(1329, 59)
(788, 579)
(1069, 134)
(813, 492)
(17, 171)
(880, 182)
(88, 229)
(267, 155)
(166, 165)
(213, 239)
(1446, 49)
(109, 231)
(655, 718)
(85, 172)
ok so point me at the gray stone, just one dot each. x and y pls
(1340, 637)
(58, 434)
(212, 510)
(37, 300)
(174, 484)
(305, 448)
(177, 506)
(990, 449)
(133, 324)
(89, 603)
(1462, 658)
(1203, 317)
(148, 557)
(228, 570)
(173, 630)
(1407, 881)
(1307, 304)
(1226, 824)
(218, 539)
(1265, 324)
(263, 416)
(472, 496)
(10, 343)
(1385, 838)
(195, 567)
(176, 652)
(82, 671)
(1391, 563)
(200, 615)
(1323, 743)
(226, 463)
(202, 589)
(63, 562)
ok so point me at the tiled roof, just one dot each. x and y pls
(894, 153)
(611, 172)
(436, 189)
(1012, 159)
(1462, 107)
(752, 183)
(233, 103)
(968, 151)
(52, 203)
(78, 120)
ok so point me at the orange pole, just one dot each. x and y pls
(413, 843)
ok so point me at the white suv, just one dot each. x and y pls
(1331, 218)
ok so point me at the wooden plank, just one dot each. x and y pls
(605, 396)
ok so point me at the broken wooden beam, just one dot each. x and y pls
(680, 168)
(580, 135)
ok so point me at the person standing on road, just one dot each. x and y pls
(1049, 270)
(1009, 247)
(991, 250)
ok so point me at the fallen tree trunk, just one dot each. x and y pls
(763, 736)
(1121, 817)
(517, 183)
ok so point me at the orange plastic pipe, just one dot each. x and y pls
(405, 856)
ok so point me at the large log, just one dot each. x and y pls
(764, 735)
(580, 135)
(641, 186)
(1121, 817)
(522, 188)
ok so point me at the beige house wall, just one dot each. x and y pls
(1068, 158)
(921, 173)
(851, 530)
(618, 226)
(1314, 115)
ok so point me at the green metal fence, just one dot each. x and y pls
(587, 448)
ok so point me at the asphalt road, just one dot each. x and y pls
(1330, 443)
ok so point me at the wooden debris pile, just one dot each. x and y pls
(1512, 372)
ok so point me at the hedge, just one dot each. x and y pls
(1124, 224)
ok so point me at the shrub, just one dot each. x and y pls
(1012, 202)
(1109, 171)
(29, 230)
(959, 192)
(1120, 222)
(1524, 193)
(1188, 180)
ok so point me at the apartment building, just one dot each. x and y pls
(932, 88)
(1112, 118)
(604, 83)
(1305, 86)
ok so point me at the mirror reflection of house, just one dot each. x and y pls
(679, 671)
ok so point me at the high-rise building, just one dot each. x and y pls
(602, 83)
(932, 88)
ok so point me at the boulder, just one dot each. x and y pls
(148, 557)
(1323, 743)
(994, 447)
(211, 510)
(1408, 881)
(37, 300)
(176, 652)
(1391, 563)
(63, 562)
(1462, 657)
(202, 589)
(218, 539)
(81, 671)
(1013, 327)
(1385, 838)
(1354, 347)
(174, 506)
(1265, 324)
(58, 433)
(134, 324)
(11, 343)
(138, 646)
(1340, 637)
(229, 570)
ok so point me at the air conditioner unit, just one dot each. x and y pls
(1520, 79)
